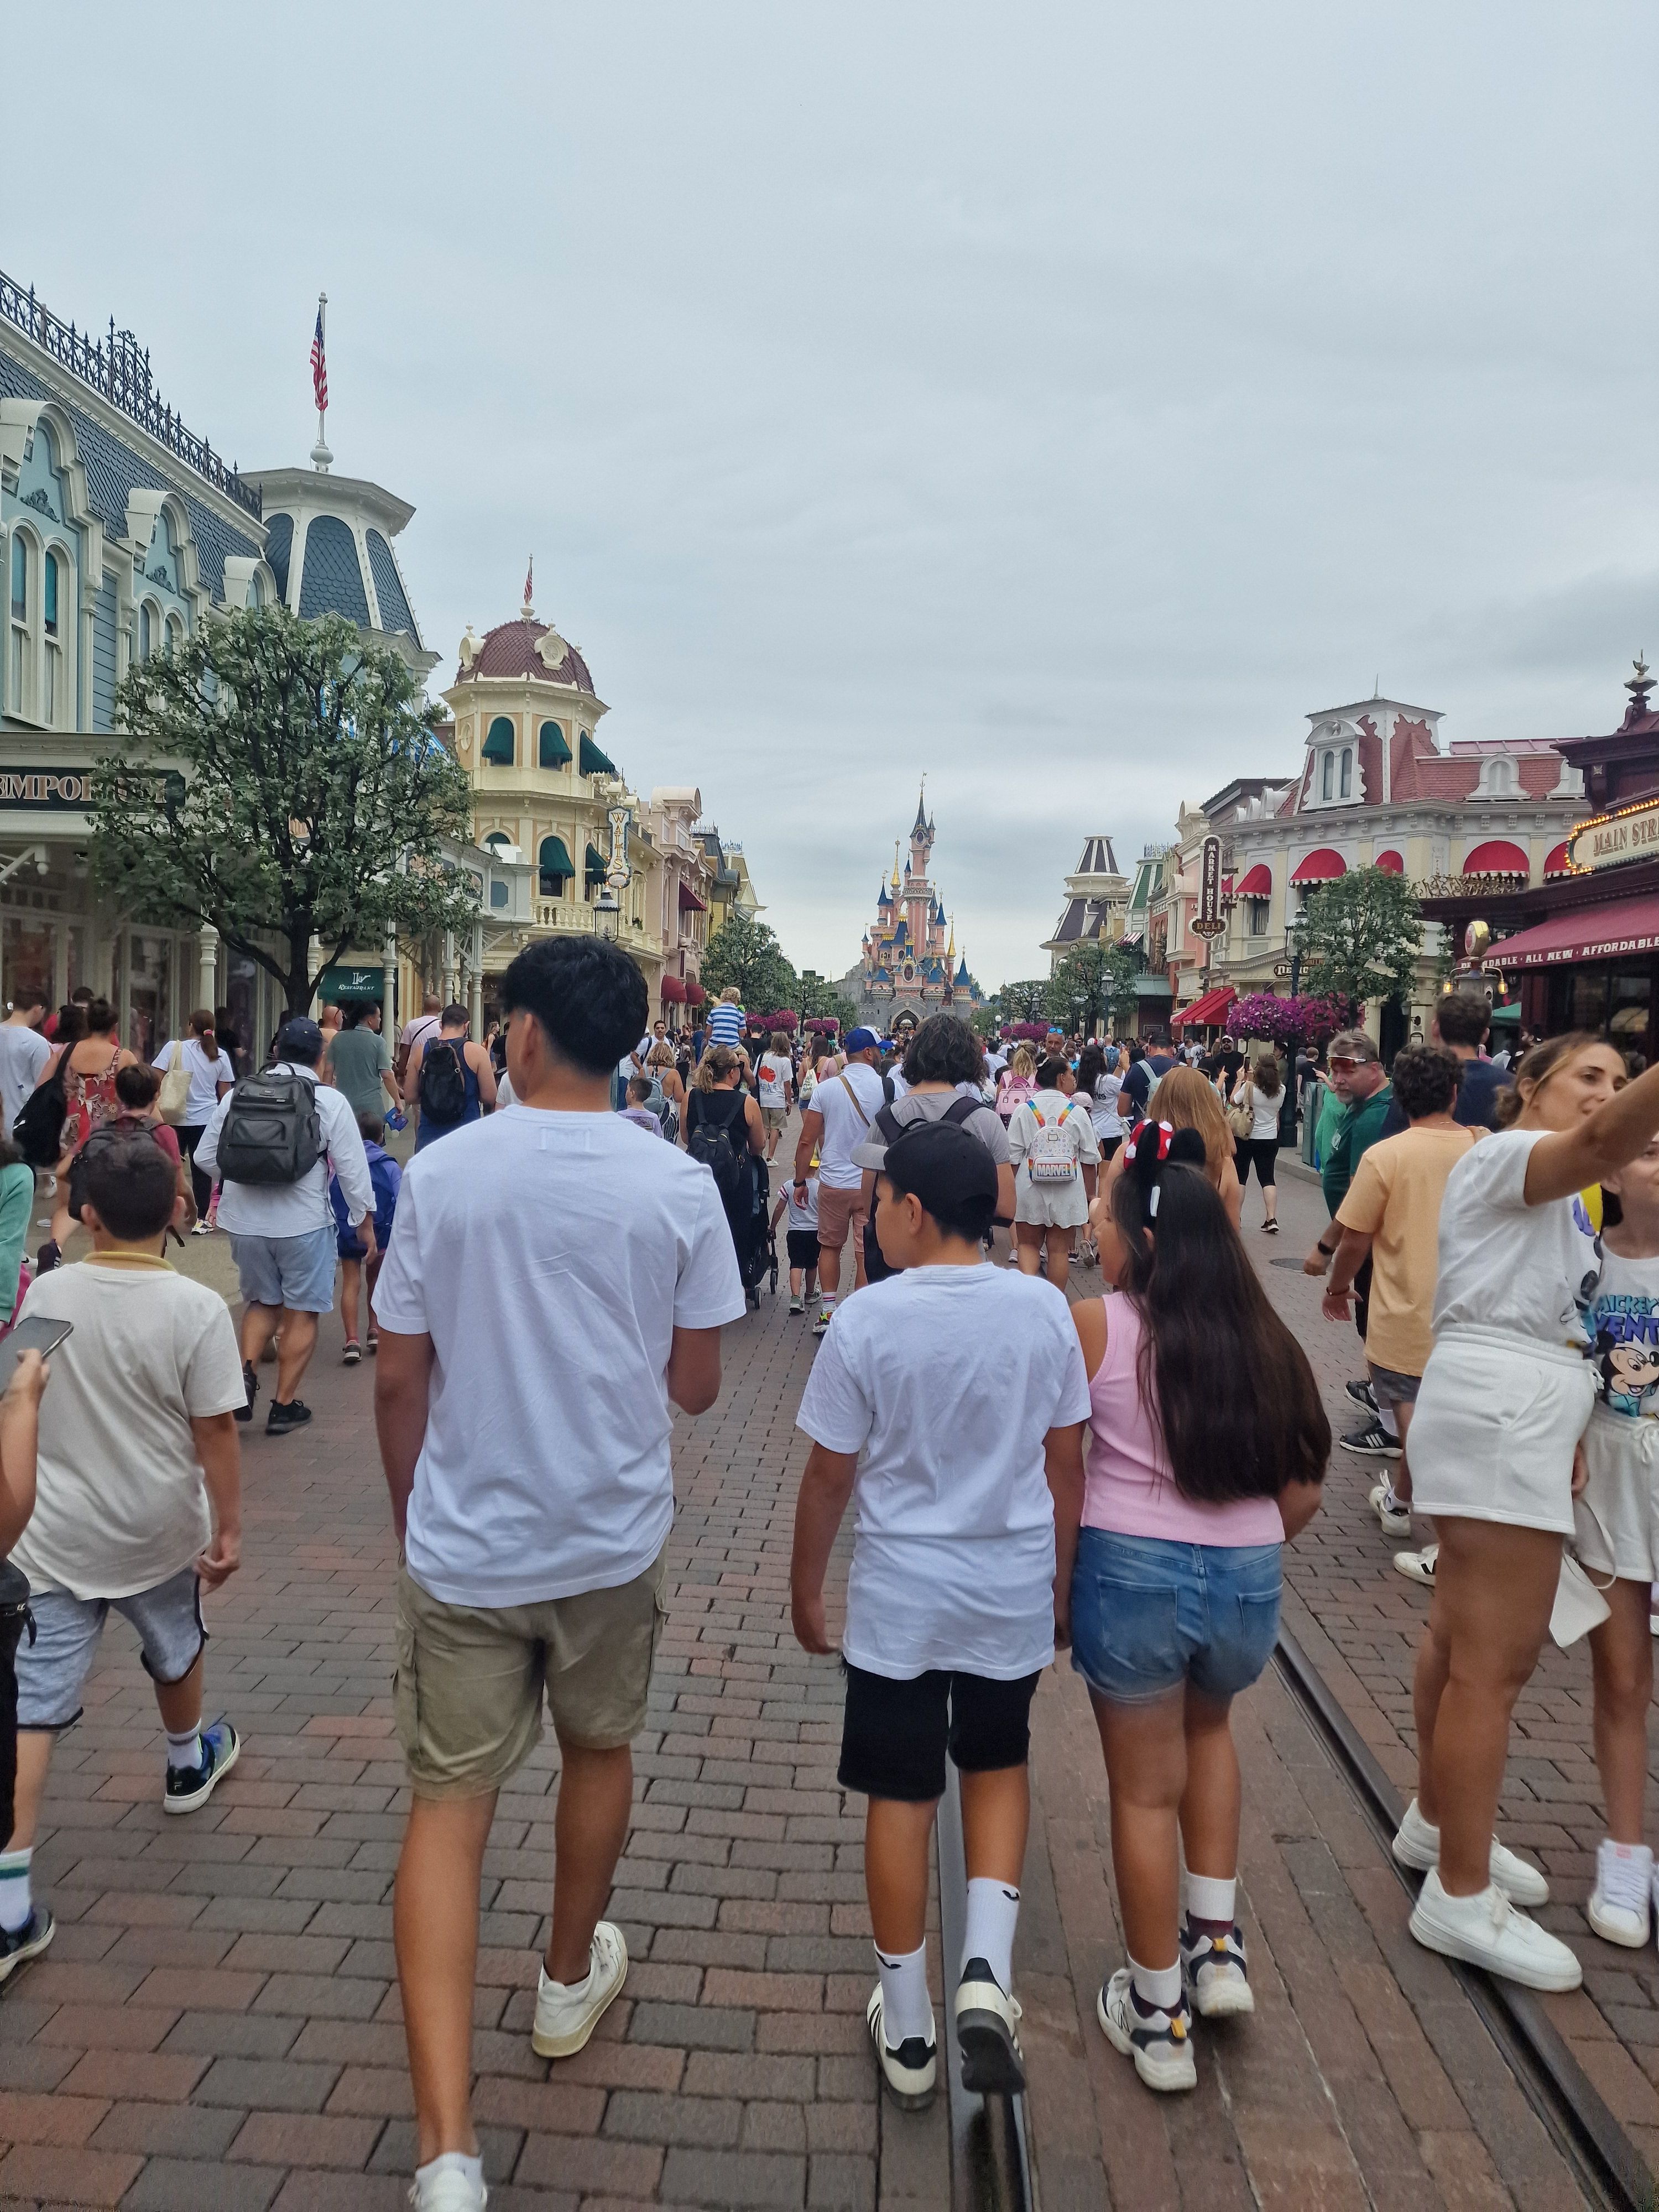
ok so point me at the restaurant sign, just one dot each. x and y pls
(1607, 841)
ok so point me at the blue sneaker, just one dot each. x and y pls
(190, 1786)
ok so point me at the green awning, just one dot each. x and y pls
(553, 859)
(597, 863)
(553, 750)
(592, 762)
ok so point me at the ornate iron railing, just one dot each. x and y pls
(118, 368)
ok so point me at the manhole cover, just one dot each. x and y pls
(1287, 1262)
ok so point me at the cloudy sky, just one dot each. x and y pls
(1062, 400)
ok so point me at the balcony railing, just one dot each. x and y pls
(571, 915)
(118, 368)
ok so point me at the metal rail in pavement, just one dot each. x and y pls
(990, 2140)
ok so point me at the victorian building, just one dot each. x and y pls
(908, 962)
(1096, 903)
(120, 532)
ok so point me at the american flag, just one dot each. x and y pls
(319, 366)
(529, 579)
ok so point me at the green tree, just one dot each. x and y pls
(282, 781)
(817, 999)
(1361, 938)
(1093, 981)
(1025, 1002)
(746, 952)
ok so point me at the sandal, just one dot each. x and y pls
(353, 1352)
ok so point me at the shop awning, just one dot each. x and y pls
(1207, 1012)
(590, 761)
(1323, 867)
(1589, 932)
(1258, 883)
(690, 902)
(1557, 863)
(1390, 863)
(553, 859)
(1497, 857)
(673, 991)
(597, 863)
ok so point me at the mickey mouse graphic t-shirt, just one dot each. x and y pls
(1624, 1318)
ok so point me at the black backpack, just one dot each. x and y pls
(891, 1129)
(271, 1132)
(442, 1087)
(710, 1143)
(38, 1131)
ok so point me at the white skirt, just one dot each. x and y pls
(1494, 1427)
(1052, 1204)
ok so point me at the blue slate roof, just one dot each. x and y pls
(395, 612)
(113, 470)
(331, 582)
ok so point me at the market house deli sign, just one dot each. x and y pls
(1607, 840)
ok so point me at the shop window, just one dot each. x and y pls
(1255, 917)
(28, 958)
(499, 746)
(18, 655)
(146, 633)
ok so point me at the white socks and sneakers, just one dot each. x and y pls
(1485, 1930)
(899, 2018)
(987, 2015)
(452, 2183)
(1212, 1947)
(567, 2013)
(1621, 1904)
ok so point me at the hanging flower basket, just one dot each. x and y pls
(1286, 1021)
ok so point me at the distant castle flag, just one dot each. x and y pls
(320, 365)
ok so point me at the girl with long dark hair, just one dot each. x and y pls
(1207, 1447)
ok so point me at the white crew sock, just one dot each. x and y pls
(186, 1750)
(1158, 1985)
(826, 1301)
(16, 1903)
(906, 2008)
(992, 1913)
(1391, 1427)
(451, 2161)
(1207, 1896)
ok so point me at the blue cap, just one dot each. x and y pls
(861, 1040)
(301, 1033)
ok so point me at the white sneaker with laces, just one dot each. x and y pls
(1396, 1518)
(1418, 1844)
(1620, 1908)
(1218, 1973)
(449, 2191)
(988, 2034)
(911, 2072)
(1486, 1931)
(1418, 1566)
(566, 2014)
(1160, 2043)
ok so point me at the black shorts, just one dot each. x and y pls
(803, 1248)
(895, 1733)
(1262, 1153)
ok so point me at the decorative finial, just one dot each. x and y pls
(1640, 683)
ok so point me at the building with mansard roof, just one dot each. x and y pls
(1096, 903)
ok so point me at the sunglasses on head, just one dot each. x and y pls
(1343, 1061)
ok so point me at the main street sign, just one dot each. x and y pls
(1607, 841)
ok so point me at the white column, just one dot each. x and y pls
(452, 979)
(207, 966)
(389, 986)
(475, 996)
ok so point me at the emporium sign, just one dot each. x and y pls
(36, 789)
(1607, 841)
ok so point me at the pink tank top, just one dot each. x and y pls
(1128, 1488)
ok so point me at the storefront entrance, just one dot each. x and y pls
(1612, 999)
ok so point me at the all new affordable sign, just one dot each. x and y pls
(1609, 839)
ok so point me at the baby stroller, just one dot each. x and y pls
(751, 1233)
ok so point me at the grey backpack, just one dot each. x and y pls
(271, 1132)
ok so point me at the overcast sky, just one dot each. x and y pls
(1062, 400)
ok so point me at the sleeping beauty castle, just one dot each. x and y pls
(910, 966)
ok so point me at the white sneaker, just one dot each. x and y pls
(1396, 1518)
(449, 2191)
(1418, 1844)
(988, 2034)
(826, 1314)
(911, 2072)
(796, 1305)
(1217, 1976)
(1486, 1931)
(1160, 2043)
(1620, 1908)
(1418, 1566)
(567, 2015)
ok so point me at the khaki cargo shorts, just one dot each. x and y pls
(467, 1695)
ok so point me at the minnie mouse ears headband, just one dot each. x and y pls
(1154, 1146)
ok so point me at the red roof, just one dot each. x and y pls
(509, 650)
(1556, 862)
(1207, 1012)
(1391, 863)
(1323, 867)
(1497, 857)
(1258, 883)
(1589, 932)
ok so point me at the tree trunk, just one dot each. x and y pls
(299, 989)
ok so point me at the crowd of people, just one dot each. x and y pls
(1107, 1466)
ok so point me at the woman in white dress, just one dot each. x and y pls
(1056, 1153)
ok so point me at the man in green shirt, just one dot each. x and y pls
(1358, 1079)
(360, 1064)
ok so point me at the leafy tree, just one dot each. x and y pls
(282, 781)
(1361, 937)
(1094, 979)
(819, 999)
(746, 952)
(1024, 1002)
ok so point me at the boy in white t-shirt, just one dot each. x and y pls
(800, 1202)
(948, 1402)
(138, 1495)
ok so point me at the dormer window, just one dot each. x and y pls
(1328, 776)
(1346, 778)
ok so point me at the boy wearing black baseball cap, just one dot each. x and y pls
(949, 1401)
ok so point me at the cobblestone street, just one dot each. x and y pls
(217, 2022)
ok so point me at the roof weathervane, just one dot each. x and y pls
(1640, 683)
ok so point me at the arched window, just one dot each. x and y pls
(146, 633)
(1327, 775)
(1347, 772)
(499, 746)
(554, 864)
(175, 636)
(52, 593)
(497, 839)
(552, 752)
(18, 658)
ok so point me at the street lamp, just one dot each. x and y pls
(607, 915)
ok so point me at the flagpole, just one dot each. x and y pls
(320, 456)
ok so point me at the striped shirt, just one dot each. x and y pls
(725, 1023)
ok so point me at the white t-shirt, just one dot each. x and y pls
(802, 1214)
(1264, 1113)
(23, 1056)
(774, 1070)
(1530, 1270)
(205, 1077)
(844, 1127)
(121, 1503)
(549, 1256)
(1102, 1106)
(946, 1380)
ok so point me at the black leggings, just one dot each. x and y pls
(201, 1184)
(1263, 1152)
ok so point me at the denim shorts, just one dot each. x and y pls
(1148, 1615)
(167, 1620)
(296, 1271)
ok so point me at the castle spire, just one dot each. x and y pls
(919, 829)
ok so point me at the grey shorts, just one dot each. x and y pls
(296, 1271)
(51, 1670)
(1392, 1388)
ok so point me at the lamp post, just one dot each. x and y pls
(607, 915)
(1293, 936)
